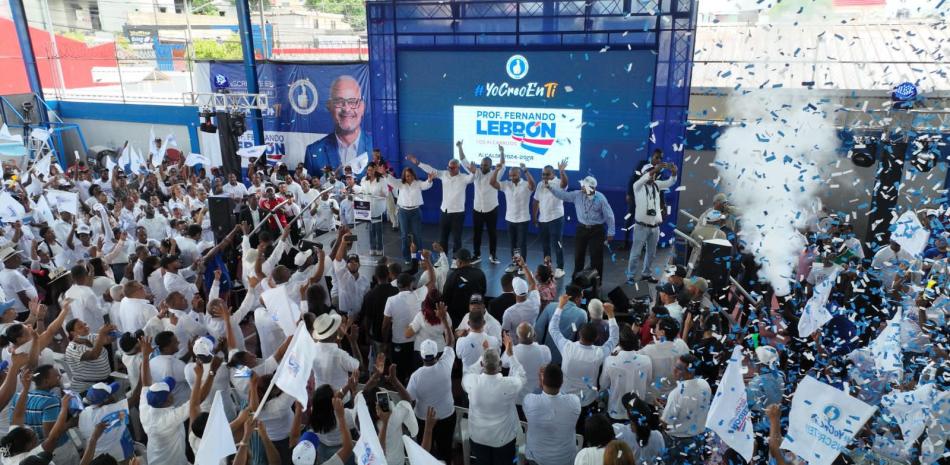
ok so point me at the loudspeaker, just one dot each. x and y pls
(221, 210)
(716, 262)
(629, 296)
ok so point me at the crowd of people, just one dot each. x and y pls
(127, 318)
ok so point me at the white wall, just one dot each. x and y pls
(114, 134)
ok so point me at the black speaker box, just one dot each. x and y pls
(221, 210)
(626, 296)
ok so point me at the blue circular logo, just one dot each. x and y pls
(221, 81)
(905, 91)
(517, 67)
(832, 412)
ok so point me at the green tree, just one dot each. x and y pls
(354, 11)
(204, 7)
(210, 49)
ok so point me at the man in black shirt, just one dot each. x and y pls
(498, 305)
(461, 283)
(371, 313)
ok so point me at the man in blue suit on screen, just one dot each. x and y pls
(347, 144)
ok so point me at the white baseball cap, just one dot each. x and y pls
(520, 286)
(428, 349)
(204, 346)
(302, 257)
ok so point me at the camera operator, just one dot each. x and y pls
(648, 216)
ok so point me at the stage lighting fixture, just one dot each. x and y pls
(207, 125)
(864, 153)
(238, 124)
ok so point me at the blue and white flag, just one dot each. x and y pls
(815, 314)
(823, 421)
(886, 348)
(295, 368)
(911, 410)
(729, 414)
(368, 450)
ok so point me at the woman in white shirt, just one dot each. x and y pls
(643, 435)
(408, 192)
(433, 322)
(597, 434)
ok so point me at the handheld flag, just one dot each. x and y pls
(294, 370)
(278, 304)
(368, 450)
(217, 442)
(815, 315)
(729, 413)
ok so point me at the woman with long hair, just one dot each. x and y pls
(376, 188)
(597, 434)
(433, 322)
(408, 190)
(618, 453)
(643, 436)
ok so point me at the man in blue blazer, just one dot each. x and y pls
(347, 143)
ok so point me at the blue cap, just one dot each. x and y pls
(158, 393)
(100, 392)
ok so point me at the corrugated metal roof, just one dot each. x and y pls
(849, 57)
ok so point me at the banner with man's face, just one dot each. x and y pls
(307, 103)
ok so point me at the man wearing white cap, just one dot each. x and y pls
(427, 388)
(648, 216)
(203, 349)
(527, 301)
(595, 221)
(12, 281)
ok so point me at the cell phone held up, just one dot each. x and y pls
(382, 401)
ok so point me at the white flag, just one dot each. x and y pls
(252, 152)
(63, 201)
(197, 159)
(823, 421)
(359, 163)
(5, 135)
(110, 164)
(886, 348)
(42, 166)
(10, 209)
(294, 370)
(815, 315)
(217, 442)
(152, 150)
(285, 312)
(138, 163)
(911, 410)
(39, 134)
(910, 234)
(125, 159)
(417, 455)
(368, 450)
(729, 413)
(42, 213)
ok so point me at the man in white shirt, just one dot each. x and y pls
(527, 301)
(471, 346)
(532, 357)
(351, 285)
(581, 360)
(626, 372)
(332, 365)
(167, 365)
(549, 217)
(551, 418)
(399, 311)
(663, 353)
(173, 279)
(666, 293)
(517, 205)
(492, 416)
(427, 388)
(135, 310)
(15, 286)
(485, 206)
(155, 224)
(454, 184)
(234, 189)
(187, 245)
(648, 215)
(85, 305)
(685, 414)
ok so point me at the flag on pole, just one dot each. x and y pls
(417, 455)
(285, 312)
(729, 413)
(252, 152)
(815, 315)
(42, 213)
(294, 370)
(886, 347)
(10, 209)
(197, 159)
(368, 450)
(217, 443)
(64, 201)
(823, 421)
(5, 135)
(42, 166)
(125, 159)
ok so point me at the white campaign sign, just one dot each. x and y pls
(533, 136)
(823, 421)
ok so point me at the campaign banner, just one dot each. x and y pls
(300, 110)
(823, 421)
(533, 136)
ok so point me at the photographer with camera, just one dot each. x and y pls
(647, 192)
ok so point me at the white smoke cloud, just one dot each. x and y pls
(771, 168)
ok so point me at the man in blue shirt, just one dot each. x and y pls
(593, 213)
(572, 318)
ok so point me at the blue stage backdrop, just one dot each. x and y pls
(298, 93)
(591, 109)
